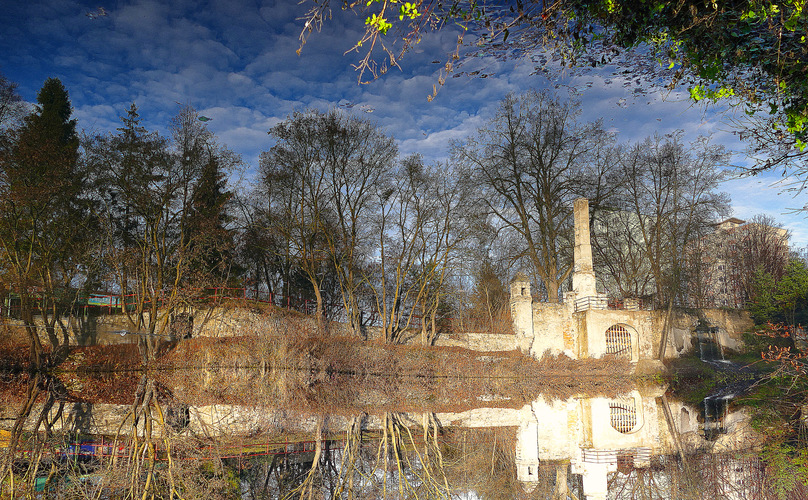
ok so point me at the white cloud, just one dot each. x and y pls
(235, 61)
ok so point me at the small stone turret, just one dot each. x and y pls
(520, 288)
(527, 453)
(522, 312)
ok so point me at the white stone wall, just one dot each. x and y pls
(479, 341)
(555, 328)
(640, 325)
(645, 434)
(555, 331)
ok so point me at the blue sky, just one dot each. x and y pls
(235, 61)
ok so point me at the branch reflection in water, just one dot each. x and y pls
(158, 445)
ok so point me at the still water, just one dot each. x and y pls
(243, 433)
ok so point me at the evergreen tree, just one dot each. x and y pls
(142, 233)
(211, 243)
(44, 211)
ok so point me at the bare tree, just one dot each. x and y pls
(423, 221)
(261, 251)
(455, 206)
(759, 244)
(403, 216)
(331, 164)
(670, 190)
(531, 160)
(622, 264)
(12, 108)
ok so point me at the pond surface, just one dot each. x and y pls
(282, 433)
(637, 445)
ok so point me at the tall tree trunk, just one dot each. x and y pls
(36, 357)
(666, 328)
(319, 313)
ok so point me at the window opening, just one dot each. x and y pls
(618, 342)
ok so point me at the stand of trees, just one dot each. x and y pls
(530, 162)
(374, 233)
(131, 212)
(336, 216)
(45, 215)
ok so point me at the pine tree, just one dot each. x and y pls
(210, 242)
(43, 210)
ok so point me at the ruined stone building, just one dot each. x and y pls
(585, 324)
(597, 437)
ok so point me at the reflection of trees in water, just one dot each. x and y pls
(703, 476)
(406, 457)
(402, 459)
(152, 455)
(399, 460)
(24, 472)
(49, 450)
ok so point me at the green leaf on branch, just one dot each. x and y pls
(379, 23)
(408, 10)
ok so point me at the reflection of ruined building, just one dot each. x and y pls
(597, 437)
(585, 324)
(583, 442)
(592, 435)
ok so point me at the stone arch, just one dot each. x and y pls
(622, 342)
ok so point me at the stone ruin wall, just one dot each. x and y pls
(239, 321)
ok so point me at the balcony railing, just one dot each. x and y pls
(599, 301)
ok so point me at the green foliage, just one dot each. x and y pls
(791, 292)
(211, 242)
(720, 44)
(783, 300)
(761, 305)
(378, 23)
(693, 379)
(761, 340)
(409, 10)
(787, 467)
(700, 92)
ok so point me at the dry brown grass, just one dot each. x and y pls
(284, 364)
(499, 322)
(344, 376)
(338, 375)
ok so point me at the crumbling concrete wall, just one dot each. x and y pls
(555, 330)
(558, 329)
